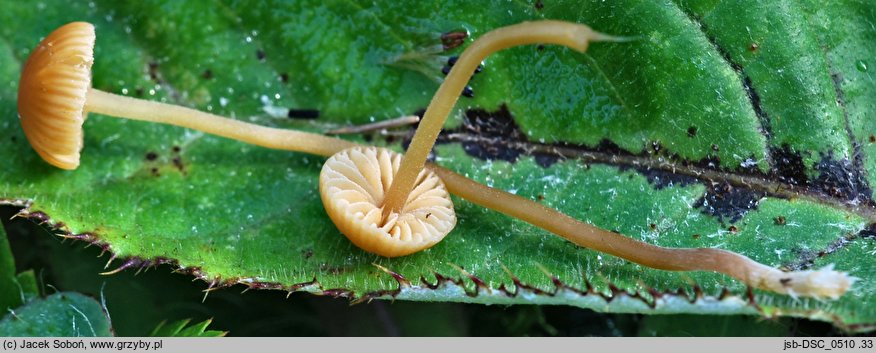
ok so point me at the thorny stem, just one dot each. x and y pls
(575, 36)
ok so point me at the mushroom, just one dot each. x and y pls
(352, 184)
(55, 97)
(378, 204)
(359, 201)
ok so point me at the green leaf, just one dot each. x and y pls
(10, 290)
(181, 328)
(736, 125)
(65, 314)
(27, 284)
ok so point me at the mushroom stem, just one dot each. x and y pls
(572, 35)
(820, 283)
(101, 102)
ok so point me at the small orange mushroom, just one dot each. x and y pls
(394, 198)
(352, 185)
(824, 282)
(55, 97)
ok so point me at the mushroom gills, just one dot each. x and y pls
(353, 184)
(51, 95)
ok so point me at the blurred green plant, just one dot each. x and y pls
(182, 328)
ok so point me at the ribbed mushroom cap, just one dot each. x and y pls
(352, 185)
(52, 92)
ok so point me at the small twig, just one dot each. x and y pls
(375, 126)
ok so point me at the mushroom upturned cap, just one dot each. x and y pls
(352, 185)
(52, 92)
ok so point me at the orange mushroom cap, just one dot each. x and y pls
(352, 185)
(52, 93)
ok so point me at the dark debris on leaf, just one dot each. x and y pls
(780, 220)
(661, 179)
(178, 164)
(692, 131)
(152, 69)
(499, 124)
(836, 178)
(728, 203)
(451, 40)
(788, 166)
(493, 128)
(306, 114)
(841, 179)
(545, 160)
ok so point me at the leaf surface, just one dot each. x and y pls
(64, 314)
(10, 290)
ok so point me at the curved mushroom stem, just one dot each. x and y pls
(821, 283)
(101, 102)
(572, 35)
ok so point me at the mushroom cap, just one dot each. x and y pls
(51, 93)
(352, 185)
